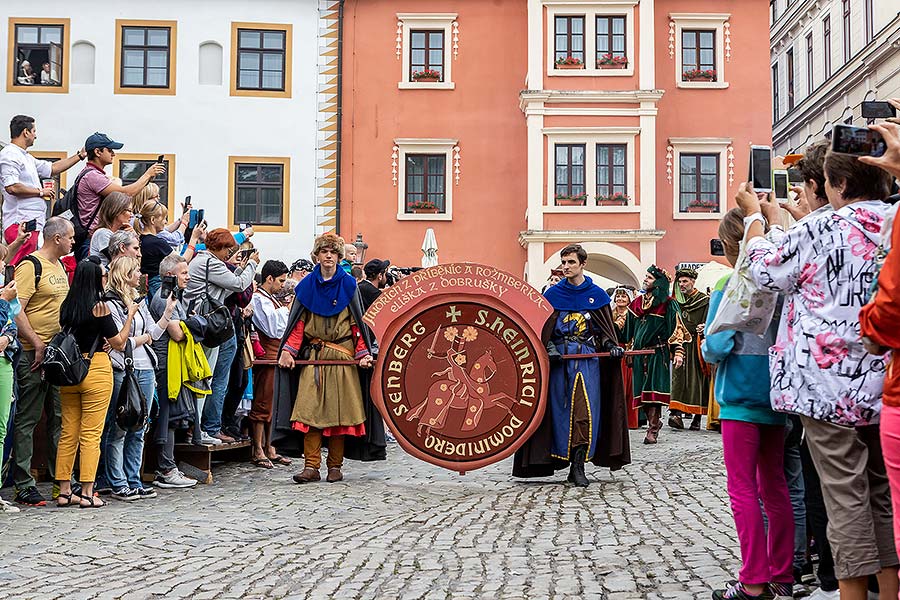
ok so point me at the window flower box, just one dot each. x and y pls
(566, 200)
(702, 207)
(608, 61)
(426, 76)
(569, 62)
(613, 200)
(699, 75)
(423, 208)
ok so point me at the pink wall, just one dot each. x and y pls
(482, 113)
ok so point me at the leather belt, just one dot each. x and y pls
(319, 343)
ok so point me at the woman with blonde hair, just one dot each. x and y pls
(150, 222)
(115, 214)
(123, 450)
(172, 233)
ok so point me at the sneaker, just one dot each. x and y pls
(30, 496)
(145, 493)
(125, 494)
(173, 479)
(208, 440)
(6, 507)
(103, 491)
(736, 591)
(821, 594)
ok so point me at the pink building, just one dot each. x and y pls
(515, 127)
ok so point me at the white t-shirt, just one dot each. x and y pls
(17, 166)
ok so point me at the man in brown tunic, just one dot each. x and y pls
(690, 383)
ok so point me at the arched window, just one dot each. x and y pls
(83, 62)
(210, 63)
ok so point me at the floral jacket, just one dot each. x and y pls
(824, 266)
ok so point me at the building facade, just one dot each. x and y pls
(827, 57)
(513, 128)
(238, 97)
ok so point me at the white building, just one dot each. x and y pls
(828, 56)
(240, 98)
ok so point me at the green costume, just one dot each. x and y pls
(690, 383)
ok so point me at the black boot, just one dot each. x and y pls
(576, 467)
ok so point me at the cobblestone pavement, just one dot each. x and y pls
(660, 528)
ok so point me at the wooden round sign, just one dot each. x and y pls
(461, 376)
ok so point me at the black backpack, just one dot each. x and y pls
(64, 364)
(219, 326)
(69, 201)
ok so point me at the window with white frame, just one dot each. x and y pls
(700, 168)
(426, 47)
(699, 49)
(425, 178)
(590, 39)
(591, 169)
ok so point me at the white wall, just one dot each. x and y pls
(202, 124)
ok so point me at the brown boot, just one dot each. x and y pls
(695, 423)
(334, 474)
(654, 424)
(307, 475)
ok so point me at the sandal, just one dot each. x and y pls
(93, 502)
(262, 463)
(280, 460)
(68, 499)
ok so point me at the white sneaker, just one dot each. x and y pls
(208, 440)
(174, 479)
(821, 594)
(6, 507)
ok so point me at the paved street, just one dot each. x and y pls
(661, 528)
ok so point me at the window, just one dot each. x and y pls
(846, 30)
(426, 55)
(773, 11)
(569, 39)
(611, 172)
(569, 166)
(426, 183)
(259, 192)
(870, 25)
(848, 120)
(145, 57)
(130, 167)
(790, 79)
(775, 98)
(826, 39)
(37, 55)
(699, 182)
(261, 60)
(810, 85)
(698, 55)
(610, 40)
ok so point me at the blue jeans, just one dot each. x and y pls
(793, 473)
(125, 449)
(212, 408)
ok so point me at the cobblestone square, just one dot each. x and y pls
(660, 528)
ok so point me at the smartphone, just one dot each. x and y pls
(781, 185)
(167, 287)
(193, 220)
(795, 177)
(761, 168)
(161, 158)
(200, 213)
(31, 225)
(242, 226)
(877, 109)
(142, 286)
(858, 141)
(716, 247)
(187, 203)
(9, 274)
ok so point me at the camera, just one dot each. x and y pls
(395, 274)
(716, 247)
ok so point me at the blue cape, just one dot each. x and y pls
(325, 298)
(568, 297)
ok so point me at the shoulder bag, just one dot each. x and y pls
(220, 327)
(131, 406)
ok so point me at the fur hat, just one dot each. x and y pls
(690, 273)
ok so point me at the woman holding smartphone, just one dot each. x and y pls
(151, 221)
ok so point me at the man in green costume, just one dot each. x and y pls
(653, 323)
(690, 383)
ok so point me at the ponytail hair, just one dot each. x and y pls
(149, 212)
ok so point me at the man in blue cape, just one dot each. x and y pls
(586, 418)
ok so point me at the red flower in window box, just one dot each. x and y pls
(699, 75)
(428, 75)
(571, 199)
(569, 62)
(608, 61)
(423, 207)
(702, 206)
(617, 199)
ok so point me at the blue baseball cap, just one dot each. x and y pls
(101, 140)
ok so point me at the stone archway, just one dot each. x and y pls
(608, 265)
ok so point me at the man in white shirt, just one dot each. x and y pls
(20, 176)
(270, 317)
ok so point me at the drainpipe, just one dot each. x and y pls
(340, 103)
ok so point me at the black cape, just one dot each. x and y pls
(289, 441)
(613, 448)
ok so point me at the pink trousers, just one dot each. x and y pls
(754, 460)
(890, 448)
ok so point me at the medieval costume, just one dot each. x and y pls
(585, 418)
(690, 383)
(620, 316)
(653, 323)
(325, 323)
